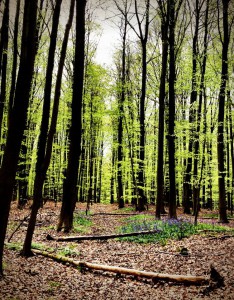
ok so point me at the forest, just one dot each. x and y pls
(132, 148)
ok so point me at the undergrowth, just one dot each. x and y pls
(165, 229)
(82, 223)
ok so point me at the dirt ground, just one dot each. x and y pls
(38, 277)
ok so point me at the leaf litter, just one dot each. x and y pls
(42, 278)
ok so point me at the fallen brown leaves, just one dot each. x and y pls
(42, 278)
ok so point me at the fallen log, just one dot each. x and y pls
(186, 279)
(97, 237)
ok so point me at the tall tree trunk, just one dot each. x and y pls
(15, 59)
(187, 186)
(143, 38)
(231, 150)
(99, 189)
(41, 147)
(171, 125)
(162, 95)
(3, 60)
(18, 118)
(196, 187)
(220, 137)
(121, 112)
(70, 190)
(91, 152)
(112, 180)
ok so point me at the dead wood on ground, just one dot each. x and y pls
(97, 237)
(185, 279)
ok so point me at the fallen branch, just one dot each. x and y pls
(186, 279)
(97, 237)
(18, 227)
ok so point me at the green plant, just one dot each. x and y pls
(54, 284)
(165, 229)
(14, 246)
(67, 251)
(41, 247)
(82, 223)
(126, 209)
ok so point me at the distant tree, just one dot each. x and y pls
(122, 96)
(18, 117)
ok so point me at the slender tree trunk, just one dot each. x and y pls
(196, 187)
(70, 191)
(41, 148)
(231, 151)
(187, 186)
(171, 125)
(120, 119)
(3, 60)
(162, 95)
(220, 137)
(228, 162)
(99, 189)
(15, 59)
(143, 38)
(112, 181)
(91, 153)
(23, 176)
(18, 119)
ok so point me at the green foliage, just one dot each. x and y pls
(126, 209)
(54, 284)
(68, 251)
(65, 251)
(215, 215)
(41, 247)
(17, 246)
(14, 246)
(166, 229)
(82, 223)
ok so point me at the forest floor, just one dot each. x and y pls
(39, 277)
